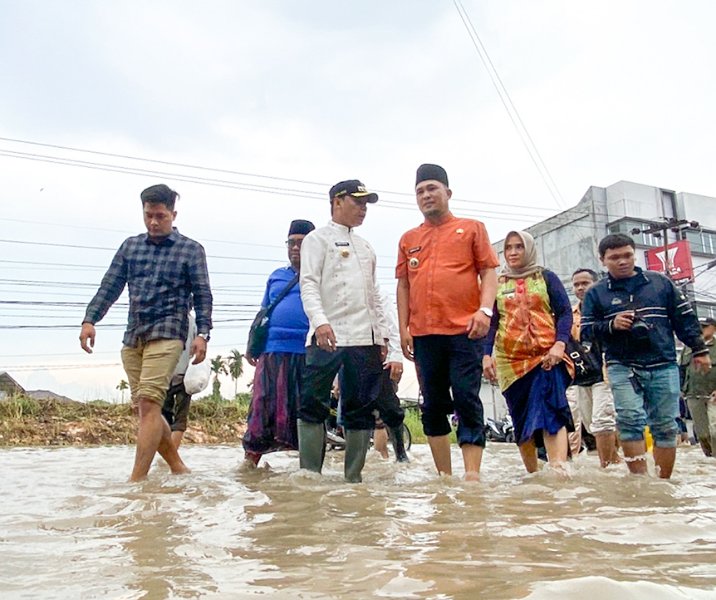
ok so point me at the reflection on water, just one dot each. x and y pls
(71, 528)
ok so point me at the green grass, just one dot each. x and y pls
(18, 407)
(412, 420)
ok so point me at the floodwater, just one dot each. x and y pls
(70, 527)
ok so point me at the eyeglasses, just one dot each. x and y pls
(294, 243)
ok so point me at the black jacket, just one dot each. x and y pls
(661, 308)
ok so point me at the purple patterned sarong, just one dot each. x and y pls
(271, 422)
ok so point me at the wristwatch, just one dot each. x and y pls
(206, 336)
(487, 311)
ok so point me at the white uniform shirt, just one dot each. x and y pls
(339, 287)
(395, 352)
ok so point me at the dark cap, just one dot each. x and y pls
(428, 171)
(708, 321)
(300, 227)
(159, 194)
(354, 188)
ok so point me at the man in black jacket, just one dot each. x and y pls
(635, 314)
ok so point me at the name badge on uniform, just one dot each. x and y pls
(344, 252)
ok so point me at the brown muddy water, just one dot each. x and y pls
(70, 527)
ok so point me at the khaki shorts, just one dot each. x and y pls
(150, 367)
(596, 406)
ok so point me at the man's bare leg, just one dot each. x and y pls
(154, 434)
(607, 448)
(380, 441)
(177, 437)
(440, 449)
(169, 452)
(556, 446)
(635, 456)
(528, 452)
(664, 459)
(472, 457)
(574, 437)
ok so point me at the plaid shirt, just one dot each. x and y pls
(162, 278)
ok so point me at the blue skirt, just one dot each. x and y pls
(538, 402)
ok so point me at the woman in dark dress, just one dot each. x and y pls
(530, 327)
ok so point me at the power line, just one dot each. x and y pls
(323, 185)
(397, 205)
(509, 106)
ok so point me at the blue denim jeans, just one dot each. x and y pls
(646, 397)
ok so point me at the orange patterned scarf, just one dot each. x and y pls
(527, 327)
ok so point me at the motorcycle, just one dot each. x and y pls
(500, 430)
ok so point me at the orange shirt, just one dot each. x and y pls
(576, 320)
(442, 264)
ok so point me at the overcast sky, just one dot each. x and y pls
(285, 98)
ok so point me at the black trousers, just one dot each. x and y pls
(388, 403)
(362, 372)
(449, 370)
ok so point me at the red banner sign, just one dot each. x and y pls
(676, 262)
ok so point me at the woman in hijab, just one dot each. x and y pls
(529, 330)
(271, 421)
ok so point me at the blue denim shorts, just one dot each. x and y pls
(646, 397)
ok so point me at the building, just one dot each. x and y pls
(655, 217)
(8, 386)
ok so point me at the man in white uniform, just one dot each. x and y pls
(347, 330)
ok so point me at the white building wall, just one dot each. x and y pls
(699, 208)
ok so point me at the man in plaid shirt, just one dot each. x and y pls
(165, 271)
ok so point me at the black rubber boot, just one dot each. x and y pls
(396, 437)
(357, 443)
(311, 445)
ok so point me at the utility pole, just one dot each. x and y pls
(678, 226)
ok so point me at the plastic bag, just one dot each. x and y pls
(197, 377)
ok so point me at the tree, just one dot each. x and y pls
(122, 386)
(236, 368)
(218, 367)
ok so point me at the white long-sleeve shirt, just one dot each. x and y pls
(395, 352)
(339, 286)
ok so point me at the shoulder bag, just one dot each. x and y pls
(587, 359)
(258, 332)
(587, 362)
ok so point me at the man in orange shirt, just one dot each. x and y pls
(446, 291)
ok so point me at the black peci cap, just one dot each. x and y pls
(428, 171)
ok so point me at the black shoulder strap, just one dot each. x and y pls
(281, 295)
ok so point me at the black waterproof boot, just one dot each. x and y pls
(396, 437)
(357, 444)
(311, 445)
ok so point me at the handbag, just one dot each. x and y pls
(258, 332)
(587, 362)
